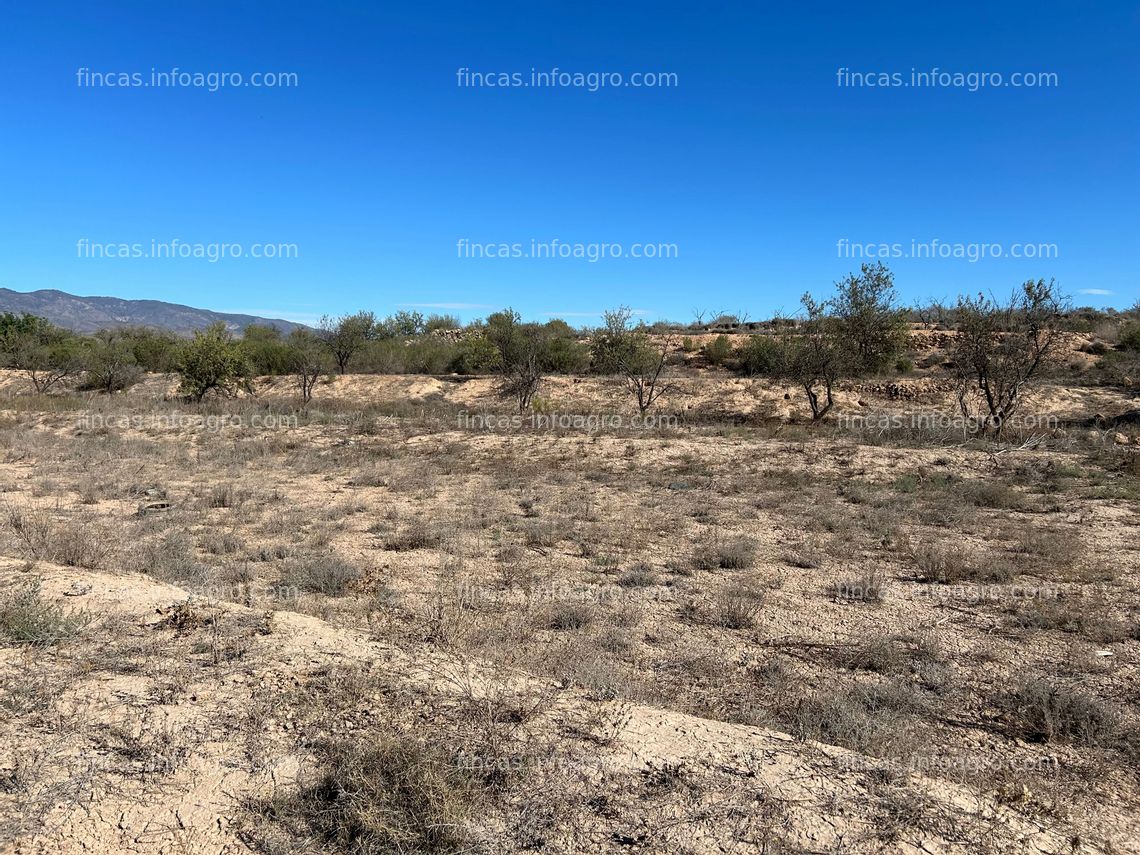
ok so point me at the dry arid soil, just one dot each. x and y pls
(379, 624)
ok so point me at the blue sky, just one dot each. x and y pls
(754, 166)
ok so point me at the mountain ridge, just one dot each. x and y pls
(89, 314)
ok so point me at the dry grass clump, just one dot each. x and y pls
(568, 615)
(804, 557)
(323, 573)
(735, 553)
(936, 562)
(738, 606)
(989, 494)
(866, 588)
(946, 564)
(170, 558)
(1080, 615)
(544, 532)
(881, 654)
(224, 496)
(220, 542)
(26, 618)
(78, 542)
(586, 664)
(417, 534)
(1060, 547)
(1039, 710)
(916, 655)
(271, 552)
(867, 718)
(640, 575)
(376, 796)
(514, 569)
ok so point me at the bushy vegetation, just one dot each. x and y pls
(1001, 348)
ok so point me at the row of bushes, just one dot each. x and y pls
(859, 330)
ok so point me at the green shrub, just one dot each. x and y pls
(475, 354)
(110, 363)
(758, 356)
(212, 362)
(1130, 337)
(26, 618)
(718, 350)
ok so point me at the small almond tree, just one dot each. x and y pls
(812, 355)
(519, 350)
(867, 315)
(1002, 349)
(110, 362)
(619, 347)
(45, 353)
(347, 335)
(308, 359)
(213, 362)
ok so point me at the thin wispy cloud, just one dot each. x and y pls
(597, 314)
(455, 306)
(1097, 292)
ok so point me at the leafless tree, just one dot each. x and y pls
(1002, 349)
(308, 359)
(619, 347)
(645, 369)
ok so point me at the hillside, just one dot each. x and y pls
(88, 314)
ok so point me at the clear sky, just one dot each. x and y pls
(750, 165)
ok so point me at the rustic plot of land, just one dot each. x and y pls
(383, 629)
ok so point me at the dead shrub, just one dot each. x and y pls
(950, 565)
(713, 553)
(868, 718)
(169, 559)
(514, 570)
(390, 795)
(417, 534)
(1079, 615)
(73, 542)
(1039, 710)
(568, 615)
(544, 532)
(640, 575)
(867, 588)
(738, 606)
(937, 563)
(881, 654)
(583, 665)
(320, 574)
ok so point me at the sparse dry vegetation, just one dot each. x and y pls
(378, 630)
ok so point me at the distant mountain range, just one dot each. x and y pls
(88, 314)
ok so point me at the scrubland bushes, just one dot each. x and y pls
(1001, 348)
(26, 618)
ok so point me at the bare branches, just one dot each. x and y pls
(1001, 350)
